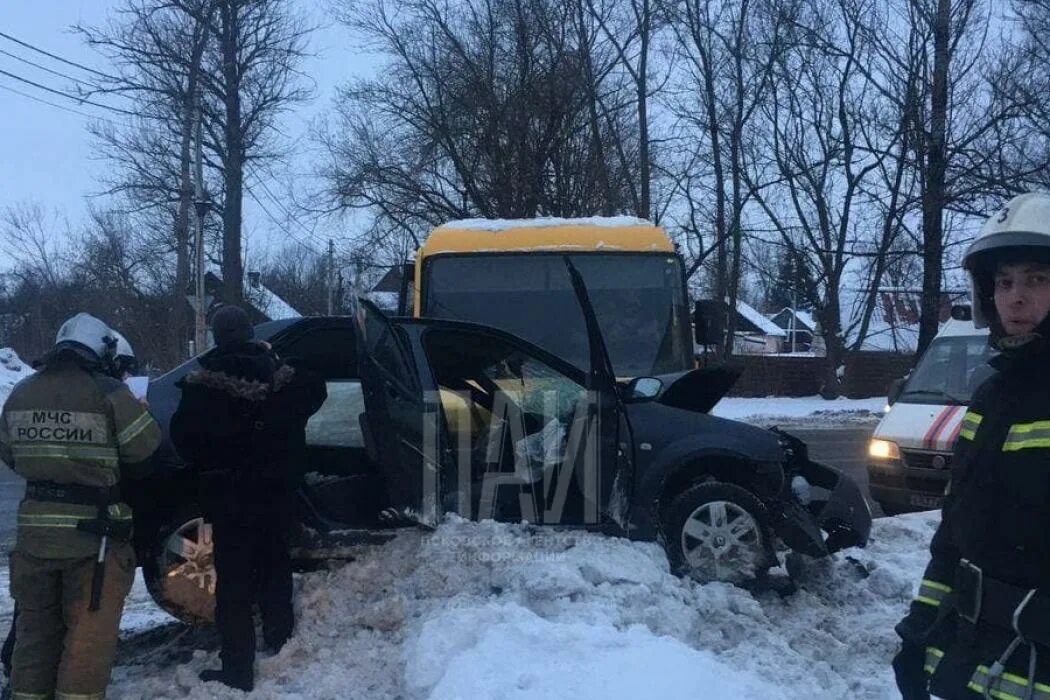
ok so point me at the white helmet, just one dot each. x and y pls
(88, 336)
(124, 360)
(1019, 231)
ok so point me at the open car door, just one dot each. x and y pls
(399, 431)
(614, 449)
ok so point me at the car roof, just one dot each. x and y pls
(954, 328)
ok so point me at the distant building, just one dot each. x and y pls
(386, 293)
(800, 328)
(894, 325)
(755, 334)
(262, 303)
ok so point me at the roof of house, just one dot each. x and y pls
(273, 306)
(804, 320)
(262, 298)
(390, 281)
(757, 322)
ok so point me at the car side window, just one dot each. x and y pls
(387, 350)
(338, 422)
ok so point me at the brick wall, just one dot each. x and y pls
(870, 373)
(866, 374)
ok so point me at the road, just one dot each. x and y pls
(844, 448)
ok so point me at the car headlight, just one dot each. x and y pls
(883, 449)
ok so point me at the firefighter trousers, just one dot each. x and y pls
(62, 649)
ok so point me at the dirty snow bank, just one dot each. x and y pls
(802, 410)
(502, 611)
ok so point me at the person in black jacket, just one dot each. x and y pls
(980, 625)
(241, 424)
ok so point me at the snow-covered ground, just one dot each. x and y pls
(493, 611)
(804, 410)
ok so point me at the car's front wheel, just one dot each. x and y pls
(180, 571)
(716, 531)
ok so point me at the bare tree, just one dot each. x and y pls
(157, 52)
(941, 65)
(729, 51)
(484, 107)
(239, 59)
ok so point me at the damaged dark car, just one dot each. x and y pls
(430, 417)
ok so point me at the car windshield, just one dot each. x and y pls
(949, 371)
(638, 299)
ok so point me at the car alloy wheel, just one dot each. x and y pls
(722, 542)
(185, 571)
(718, 531)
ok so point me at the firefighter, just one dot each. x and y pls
(241, 425)
(123, 365)
(980, 625)
(76, 435)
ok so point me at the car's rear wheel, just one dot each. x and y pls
(716, 531)
(180, 572)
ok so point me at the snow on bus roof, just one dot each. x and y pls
(612, 234)
(543, 222)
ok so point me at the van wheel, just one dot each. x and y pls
(180, 571)
(717, 531)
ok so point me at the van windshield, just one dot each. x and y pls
(639, 300)
(950, 370)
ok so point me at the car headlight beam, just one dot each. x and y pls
(883, 449)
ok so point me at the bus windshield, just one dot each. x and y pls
(639, 300)
(949, 371)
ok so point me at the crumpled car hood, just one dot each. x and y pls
(697, 390)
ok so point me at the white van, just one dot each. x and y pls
(909, 456)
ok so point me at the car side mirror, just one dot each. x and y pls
(643, 389)
(894, 392)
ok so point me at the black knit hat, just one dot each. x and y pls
(231, 324)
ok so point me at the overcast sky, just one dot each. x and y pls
(47, 151)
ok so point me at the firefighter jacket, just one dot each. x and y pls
(69, 424)
(241, 425)
(994, 521)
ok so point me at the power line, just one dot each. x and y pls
(48, 70)
(285, 210)
(57, 58)
(274, 219)
(68, 96)
(53, 104)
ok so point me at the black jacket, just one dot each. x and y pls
(241, 422)
(996, 514)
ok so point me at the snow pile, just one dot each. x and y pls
(808, 409)
(543, 222)
(486, 610)
(12, 371)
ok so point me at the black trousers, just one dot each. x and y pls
(252, 565)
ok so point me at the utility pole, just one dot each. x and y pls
(200, 204)
(331, 276)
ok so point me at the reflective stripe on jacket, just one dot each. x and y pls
(68, 425)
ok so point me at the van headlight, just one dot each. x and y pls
(883, 449)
